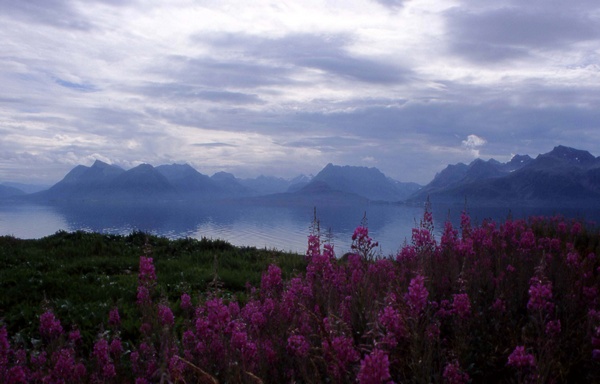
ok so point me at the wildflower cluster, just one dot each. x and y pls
(515, 302)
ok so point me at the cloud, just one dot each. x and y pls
(393, 4)
(81, 87)
(325, 52)
(214, 145)
(472, 144)
(55, 13)
(178, 91)
(503, 32)
(474, 141)
(259, 87)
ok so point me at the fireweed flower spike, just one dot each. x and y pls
(147, 273)
(417, 295)
(519, 358)
(186, 302)
(50, 326)
(375, 368)
(165, 315)
(540, 296)
(454, 375)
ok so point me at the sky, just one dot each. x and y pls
(282, 88)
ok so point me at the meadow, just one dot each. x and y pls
(513, 302)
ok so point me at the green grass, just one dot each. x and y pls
(81, 276)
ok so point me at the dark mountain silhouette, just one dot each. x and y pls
(104, 182)
(517, 162)
(83, 183)
(562, 177)
(369, 183)
(143, 181)
(188, 181)
(7, 191)
(230, 185)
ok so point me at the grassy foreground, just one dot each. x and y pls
(82, 276)
(514, 302)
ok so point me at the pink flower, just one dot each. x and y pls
(391, 319)
(297, 345)
(573, 259)
(417, 295)
(143, 295)
(314, 246)
(340, 353)
(101, 353)
(462, 305)
(176, 368)
(454, 375)
(147, 274)
(75, 336)
(271, 280)
(519, 358)
(540, 296)
(4, 350)
(165, 315)
(186, 302)
(17, 375)
(65, 368)
(116, 348)
(49, 325)
(362, 243)
(374, 368)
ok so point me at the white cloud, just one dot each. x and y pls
(472, 144)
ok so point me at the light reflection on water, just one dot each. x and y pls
(279, 227)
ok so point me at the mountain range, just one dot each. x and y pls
(181, 182)
(563, 176)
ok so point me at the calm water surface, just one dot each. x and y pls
(281, 227)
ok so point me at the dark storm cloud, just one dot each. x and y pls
(328, 53)
(502, 33)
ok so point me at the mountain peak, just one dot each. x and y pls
(100, 164)
(370, 183)
(571, 154)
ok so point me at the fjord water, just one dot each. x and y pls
(265, 226)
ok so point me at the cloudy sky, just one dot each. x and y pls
(282, 88)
